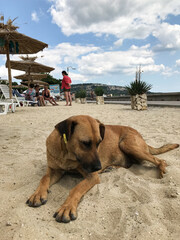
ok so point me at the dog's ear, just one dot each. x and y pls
(66, 127)
(102, 130)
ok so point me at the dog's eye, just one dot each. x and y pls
(87, 144)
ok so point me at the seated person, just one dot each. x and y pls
(39, 98)
(16, 93)
(47, 96)
(30, 93)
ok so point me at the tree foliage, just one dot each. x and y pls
(50, 80)
(82, 93)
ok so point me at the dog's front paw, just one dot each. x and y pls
(66, 213)
(37, 199)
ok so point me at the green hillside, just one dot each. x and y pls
(108, 89)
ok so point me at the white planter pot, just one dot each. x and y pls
(77, 100)
(99, 100)
(83, 100)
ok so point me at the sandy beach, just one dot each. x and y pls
(128, 203)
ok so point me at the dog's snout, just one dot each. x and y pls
(91, 167)
(96, 167)
(91, 163)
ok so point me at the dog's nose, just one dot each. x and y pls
(96, 167)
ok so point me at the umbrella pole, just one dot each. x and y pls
(29, 76)
(9, 71)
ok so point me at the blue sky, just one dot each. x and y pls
(105, 40)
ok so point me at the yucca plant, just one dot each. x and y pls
(77, 94)
(99, 91)
(82, 93)
(138, 87)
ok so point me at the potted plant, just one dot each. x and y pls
(137, 90)
(82, 94)
(77, 97)
(99, 91)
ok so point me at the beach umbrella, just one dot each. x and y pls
(29, 65)
(20, 86)
(13, 42)
(33, 76)
(38, 82)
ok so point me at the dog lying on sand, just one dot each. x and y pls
(84, 144)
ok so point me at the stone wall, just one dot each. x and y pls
(139, 102)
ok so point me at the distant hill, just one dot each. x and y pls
(108, 89)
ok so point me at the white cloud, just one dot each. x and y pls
(4, 72)
(124, 19)
(118, 42)
(91, 61)
(169, 37)
(113, 62)
(34, 17)
(178, 63)
(168, 72)
(65, 53)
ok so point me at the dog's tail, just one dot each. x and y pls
(163, 149)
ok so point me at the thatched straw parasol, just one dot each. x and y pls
(13, 42)
(29, 65)
(33, 76)
(20, 86)
(38, 82)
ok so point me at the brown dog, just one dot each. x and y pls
(84, 144)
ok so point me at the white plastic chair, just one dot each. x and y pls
(18, 100)
(5, 106)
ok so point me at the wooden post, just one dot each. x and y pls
(9, 70)
(29, 76)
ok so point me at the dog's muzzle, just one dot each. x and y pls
(92, 166)
(95, 167)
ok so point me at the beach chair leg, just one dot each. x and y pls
(4, 108)
(1, 110)
(13, 107)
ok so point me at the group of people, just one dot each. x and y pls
(33, 94)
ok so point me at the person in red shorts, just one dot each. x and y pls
(66, 86)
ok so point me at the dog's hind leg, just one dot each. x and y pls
(137, 148)
(40, 195)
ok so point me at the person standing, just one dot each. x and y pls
(66, 86)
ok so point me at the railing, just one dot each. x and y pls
(175, 96)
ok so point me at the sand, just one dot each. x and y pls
(128, 203)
